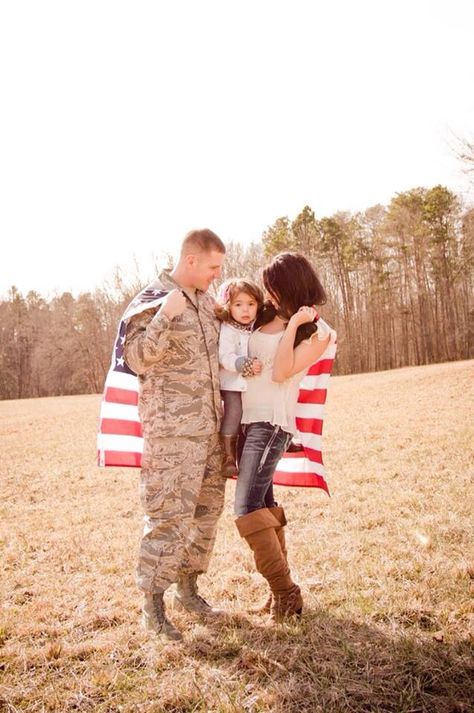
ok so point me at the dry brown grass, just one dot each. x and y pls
(386, 566)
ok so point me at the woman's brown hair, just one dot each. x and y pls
(292, 282)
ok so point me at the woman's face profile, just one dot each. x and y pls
(271, 298)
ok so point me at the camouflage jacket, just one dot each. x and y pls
(177, 366)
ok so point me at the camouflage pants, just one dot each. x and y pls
(182, 493)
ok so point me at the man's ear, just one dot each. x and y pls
(190, 260)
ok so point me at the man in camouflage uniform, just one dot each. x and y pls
(174, 353)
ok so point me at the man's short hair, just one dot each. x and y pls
(202, 241)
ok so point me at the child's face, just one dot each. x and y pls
(243, 308)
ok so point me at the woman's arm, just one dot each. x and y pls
(288, 360)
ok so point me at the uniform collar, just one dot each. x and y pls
(168, 281)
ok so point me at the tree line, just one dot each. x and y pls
(399, 282)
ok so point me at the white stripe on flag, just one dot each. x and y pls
(300, 465)
(122, 412)
(330, 352)
(121, 380)
(315, 411)
(315, 382)
(128, 444)
(311, 440)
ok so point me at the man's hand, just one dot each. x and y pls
(174, 304)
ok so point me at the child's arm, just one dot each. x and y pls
(229, 358)
(228, 346)
(290, 360)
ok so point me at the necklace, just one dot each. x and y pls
(241, 327)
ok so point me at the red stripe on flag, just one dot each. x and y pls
(323, 366)
(121, 459)
(301, 480)
(313, 455)
(121, 396)
(316, 396)
(120, 427)
(309, 425)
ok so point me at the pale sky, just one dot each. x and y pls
(125, 124)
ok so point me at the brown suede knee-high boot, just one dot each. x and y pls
(259, 529)
(280, 516)
(279, 513)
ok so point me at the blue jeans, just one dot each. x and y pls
(263, 446)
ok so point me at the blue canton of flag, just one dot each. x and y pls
(120, 364)
(142, 301)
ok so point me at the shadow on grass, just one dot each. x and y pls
(325, 664)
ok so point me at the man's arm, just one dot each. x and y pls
(147, 337)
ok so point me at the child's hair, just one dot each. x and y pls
(229, 290)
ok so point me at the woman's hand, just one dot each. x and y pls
(251, 367)
(303, 316)
(256, 366)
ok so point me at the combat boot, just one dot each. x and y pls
(155, 619)
(188, 598)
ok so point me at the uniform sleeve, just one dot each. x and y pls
(228, 348)
(146, 340)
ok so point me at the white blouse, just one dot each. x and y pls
(265, 399)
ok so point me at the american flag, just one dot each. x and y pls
(120, 440)
(305, 468)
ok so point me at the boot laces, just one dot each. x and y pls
(190, 590)
(158, 604)
(202, 601)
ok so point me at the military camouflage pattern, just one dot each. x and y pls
(177, 365)
(182, 493)
(181, 483)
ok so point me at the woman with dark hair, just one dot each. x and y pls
(286, 341)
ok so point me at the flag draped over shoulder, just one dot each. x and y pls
(305, 468)
(120, 439)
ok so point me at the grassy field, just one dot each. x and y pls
(386, 567)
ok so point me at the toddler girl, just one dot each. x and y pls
(237, 305)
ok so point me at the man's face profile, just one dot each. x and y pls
(205, 267)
